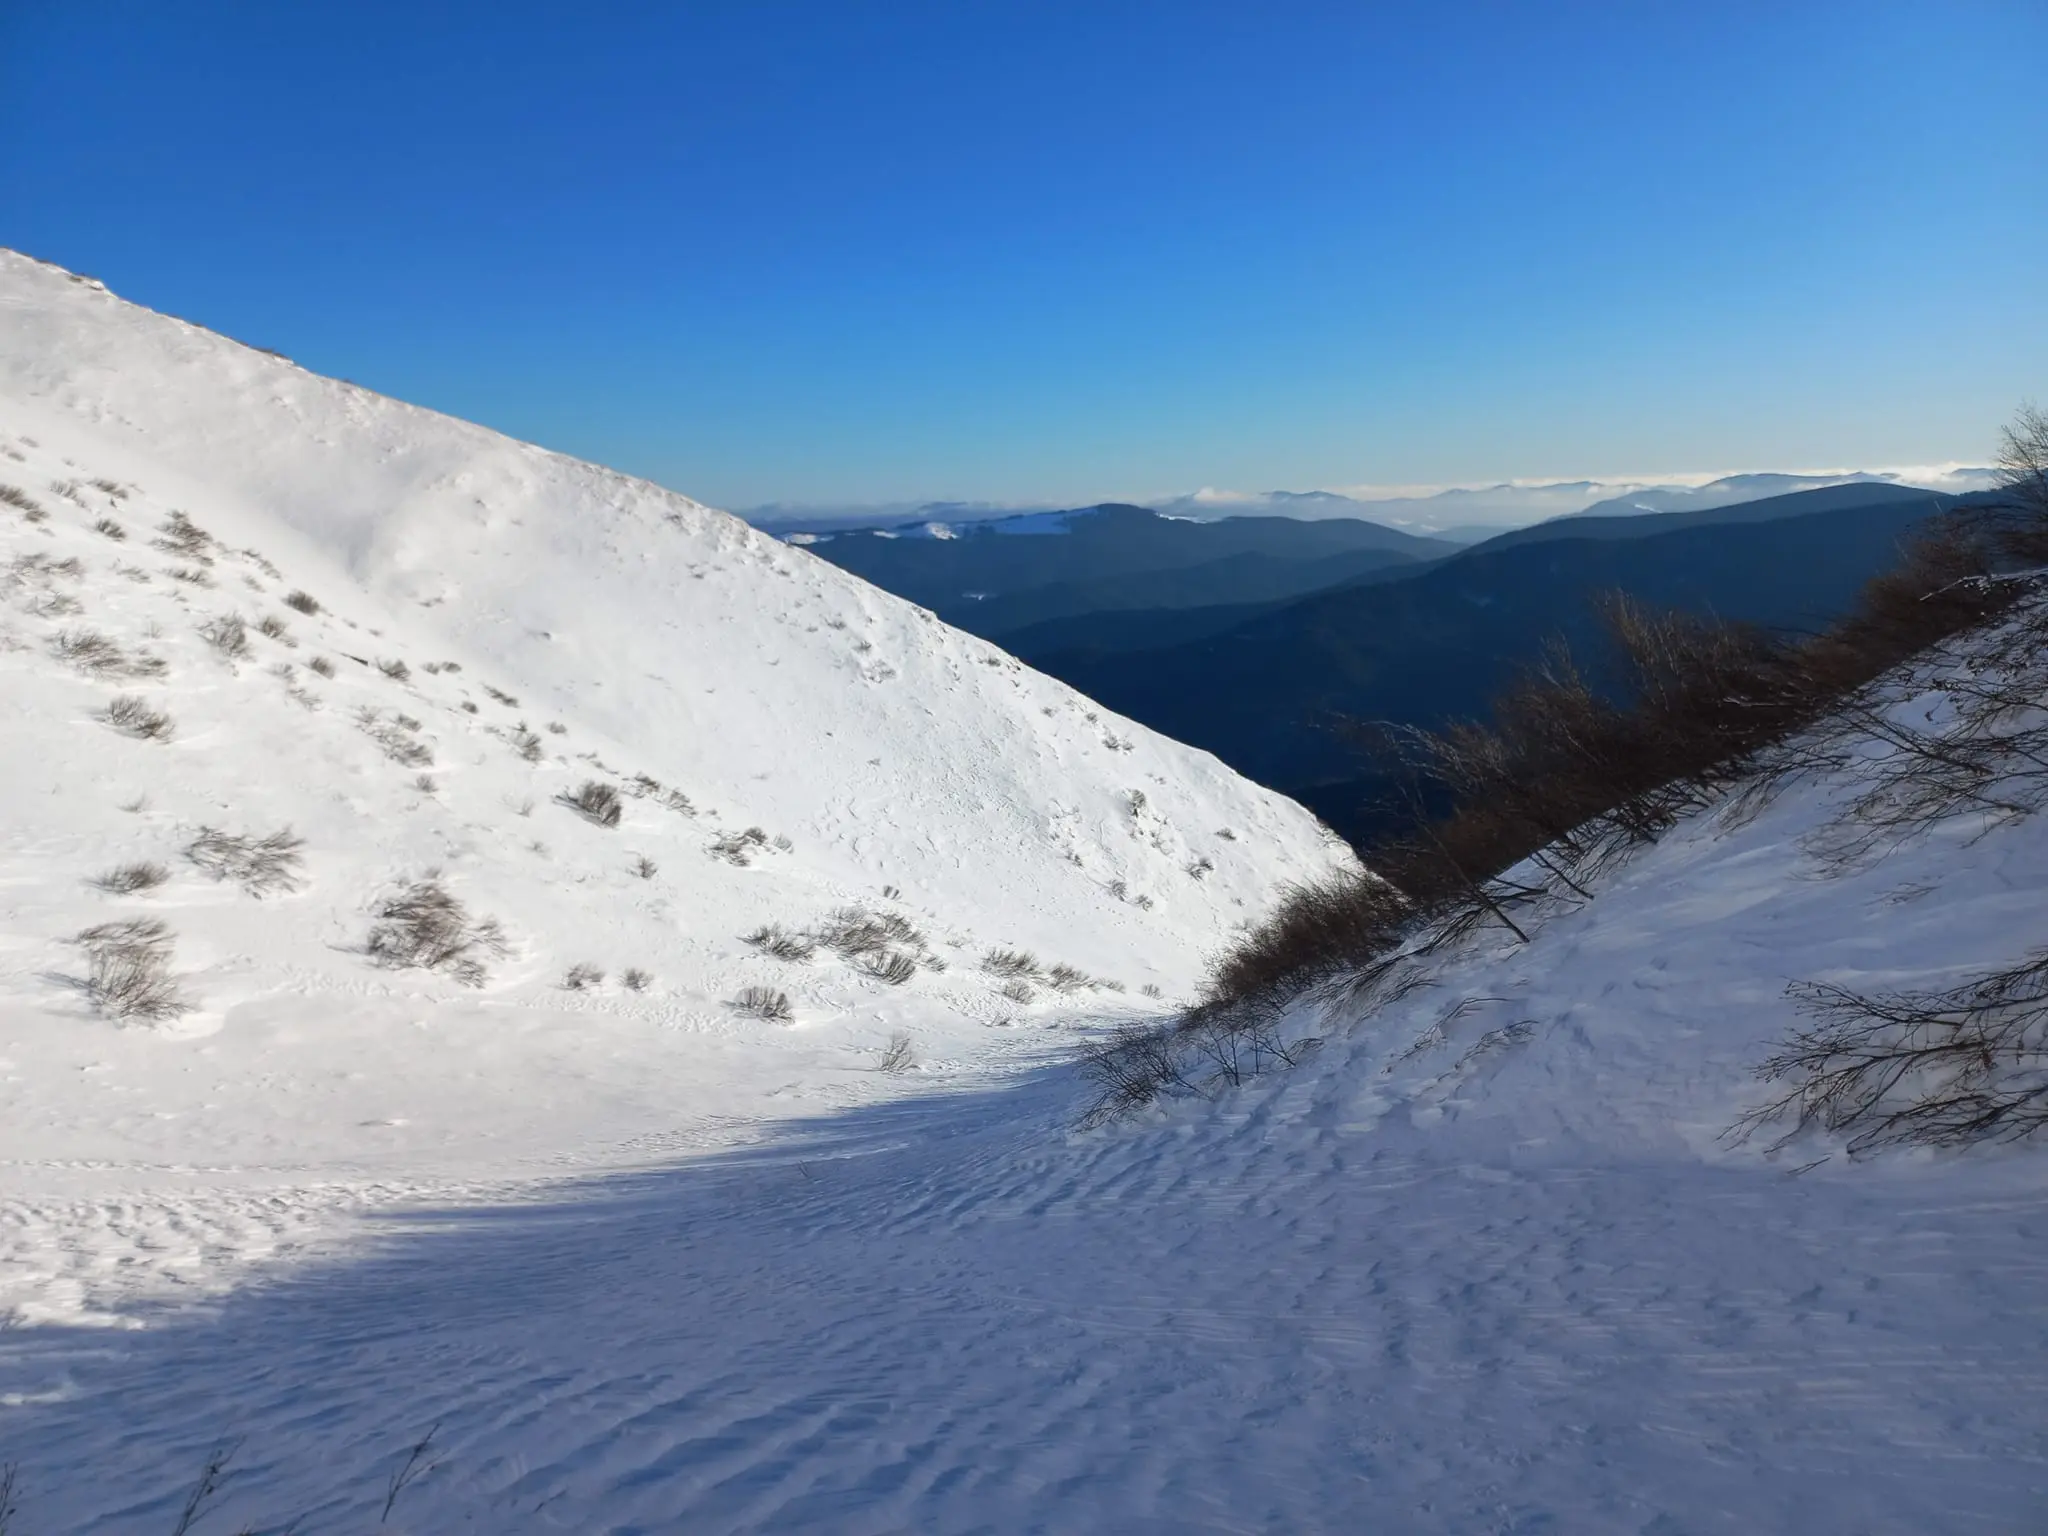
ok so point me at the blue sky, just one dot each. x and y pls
(838, 253)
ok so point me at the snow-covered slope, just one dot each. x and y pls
(555, 623)
(1483, 1264)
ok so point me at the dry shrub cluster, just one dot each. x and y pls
(128, 973)
(132, 716)
(228, 634)
(764, 1003)
(96, 655)
(884, 945)
(424, 926)
(262, 866)
(395, 737)
(596, 802)
(1527, 808)
(739, 847)
(126, 879)
(14, 496)
(180, 536)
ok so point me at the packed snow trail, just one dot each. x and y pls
(1423, 1283)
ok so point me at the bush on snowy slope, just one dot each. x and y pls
(1504, 818)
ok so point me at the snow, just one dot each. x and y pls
(1485, 1262)
(774, 691)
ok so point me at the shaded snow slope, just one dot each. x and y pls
(1483, 1264)
(509, 623)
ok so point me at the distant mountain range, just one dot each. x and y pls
(1254, 637)
(1461, 515)
(1003, 574)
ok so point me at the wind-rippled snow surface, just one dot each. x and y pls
(643, 1264)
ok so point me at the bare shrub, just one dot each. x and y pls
(305, 602)
(129, 970)
(636, 980)
(506, 699)
(583, 977)
(1136, 1066)
(596, 802)
(423, 926)
(274, 628)
(893, 967)
(398, 743)
(2021, 523)
(679, 802)
(14, 496)
(321, 665)
(1201, 868)
(106, 487)
(131, 715)
(91, 652)
(260, 865)
(556, 728)
(227, 634)
(1010, 962)
(855, 932)
(425, 784)
(108, 528)
(189, 575)
(1017, 991)
(645, 867)
(738, 847)
(180, 536)
(898, 1056)
(394, 669)
(1318, 930)
(1067, 978)
(764, 1003)
(526, 744)
(773, 939)
(1150, 989)
(1927, 1068)
(126, 879)
(1984, 754)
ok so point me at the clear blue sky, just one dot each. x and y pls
(846, 252)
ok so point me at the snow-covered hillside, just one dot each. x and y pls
(485, 627)
(1483, 1262)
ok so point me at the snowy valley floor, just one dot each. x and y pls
(1510, 1281)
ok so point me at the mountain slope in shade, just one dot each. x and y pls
(1264, 691)
(496, 626)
